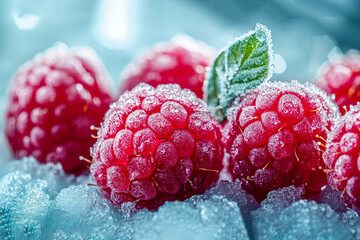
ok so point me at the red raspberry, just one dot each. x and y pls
(157, 144)
(53, 101)
(182, 61)
(341, 77)
(342, 156)
(272, 137)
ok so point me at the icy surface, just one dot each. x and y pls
(41, 202)
(213, 218)
(34, 208)
(284, 215)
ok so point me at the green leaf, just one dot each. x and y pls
(243, 65)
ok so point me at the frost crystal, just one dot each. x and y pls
(242, 65)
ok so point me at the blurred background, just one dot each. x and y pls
(304, 32)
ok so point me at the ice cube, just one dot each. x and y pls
(283, 215)
(52, 173)
(233, 191)
(277, 201)
(308, 220)
(208, 218)
(271, 208)
(80, 210)
(27, 211)
(352, 221)
(23, 206)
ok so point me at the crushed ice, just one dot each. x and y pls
(41, 202)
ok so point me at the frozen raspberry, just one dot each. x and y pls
(341, 77)
(342, 156)
(275, 135)
(155, 145)
(53, 101)
(182, 61)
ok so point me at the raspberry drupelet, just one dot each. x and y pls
(182, 61)
(342, 157)
(157, 144)
(53, 101)
(275, 135)
(341, 77)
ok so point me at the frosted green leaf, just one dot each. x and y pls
(243, 65)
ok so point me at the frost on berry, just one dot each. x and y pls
(342, 157)
(136, 120)
(242, 168)
(282, 144)
(255, 134)
(98, 170)
(107, 155)
(202, 124)
(160, 125)
(271, 121)
(307, 154)
(267, 100)
(352, 187)
(340, 78)
(145, 142)
(345, 166)
(184, 169)
(349, 142)
(275, 137)
(164, 143)
(238, 148)
(205, 153)
(143, 189)
(150, 104)
(166, 155)
(247, 115)
(268, 178)
(53, 101)
(117, 179)
(259, 157)
(290, 108)
(122, 146)
(140, 167)
(183, 141)
(175, 113)
(283, 165)
(167, 182)
(303, 130)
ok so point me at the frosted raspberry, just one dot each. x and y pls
(342, 156)
(53, 101)
(155, 145)
(182, 60)
(274, 136)
(341, 77)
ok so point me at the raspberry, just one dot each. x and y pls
(182, 61)
(342, 156)
(341, 77)
(273, 135)
(53, 101)
(157, 144)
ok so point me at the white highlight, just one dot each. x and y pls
(115, 26)
(26, 21)
(279, 63)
